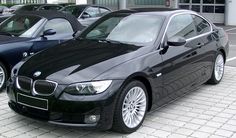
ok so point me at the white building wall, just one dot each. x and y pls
(81, 2)
(230, 11)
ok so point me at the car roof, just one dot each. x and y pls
(87, 5)
(157, 11)
(55, 14)
(40, 4)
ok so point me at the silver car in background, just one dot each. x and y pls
(86, 14)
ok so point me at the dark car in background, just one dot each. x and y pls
(39, 7)
(24, 34)
(86, 14)
(66, 4)
(107, 77)
(28, 8)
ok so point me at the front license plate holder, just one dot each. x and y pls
(33, 102)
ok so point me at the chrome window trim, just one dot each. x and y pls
(31, 105)
(187, 13)
(35, 92)
(19, 87)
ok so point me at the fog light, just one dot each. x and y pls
(90, 119)
(25, 54)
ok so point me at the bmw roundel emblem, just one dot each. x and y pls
(37, 73)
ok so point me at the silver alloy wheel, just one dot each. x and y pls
(134, 107)
(219, 67)
(2, 77)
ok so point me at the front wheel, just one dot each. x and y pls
(218, 70)
(131, 108)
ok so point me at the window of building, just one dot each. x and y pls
(196, 1)
(219, 9)
(184, 1)
(208, 9)
(208, 1)
(196, 8)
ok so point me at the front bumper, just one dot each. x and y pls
(70, 110)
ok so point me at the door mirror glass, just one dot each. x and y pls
(49, 32)
(176, 41)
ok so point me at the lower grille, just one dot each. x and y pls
(24, 83)
(44, 87)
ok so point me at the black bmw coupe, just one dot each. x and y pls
(122, 66)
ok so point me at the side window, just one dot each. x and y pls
(61, 26)
(55, 8)
(92, 12)
(202, 26)
(181, 25)
(103, 11)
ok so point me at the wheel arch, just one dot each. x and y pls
(142, 77)
(6, 64)
(223, 52)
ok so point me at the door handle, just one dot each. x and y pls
(191, 54)
(199, 45)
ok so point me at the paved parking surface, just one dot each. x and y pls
(231, 31)
(209, 111)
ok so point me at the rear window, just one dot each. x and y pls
(74, 10)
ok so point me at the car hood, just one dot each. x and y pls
(77, 61)
(4, 39)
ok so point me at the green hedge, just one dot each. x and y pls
(8, 5)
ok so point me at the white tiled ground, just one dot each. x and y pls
(209, 111)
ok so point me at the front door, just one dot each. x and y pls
(181, 67)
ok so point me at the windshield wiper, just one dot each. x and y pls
(109, 41)
(6, 33)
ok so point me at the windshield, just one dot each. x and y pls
(132, 29)
(74, 10)
(20, 25)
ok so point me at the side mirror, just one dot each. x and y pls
(176, 41)
(85, 15)
(48, 32)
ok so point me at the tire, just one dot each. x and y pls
(218, 69)
(3, 76)
(127, 110)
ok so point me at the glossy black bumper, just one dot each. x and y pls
(70, 110)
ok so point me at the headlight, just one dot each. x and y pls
(88, 88)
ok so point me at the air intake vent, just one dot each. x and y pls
(24, 83)
(44, 87)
